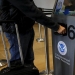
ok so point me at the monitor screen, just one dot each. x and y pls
(65, 7)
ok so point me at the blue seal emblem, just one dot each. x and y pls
(62, 48)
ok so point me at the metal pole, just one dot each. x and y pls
(40, 39)
(47, 51)
(47, 71)
(20, 49)
(5, 48)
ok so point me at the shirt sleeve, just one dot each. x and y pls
(29, 9)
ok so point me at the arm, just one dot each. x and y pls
(29, 9)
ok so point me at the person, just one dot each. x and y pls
(24, 13)
(59, 6)
(69, 5)
(67, 2)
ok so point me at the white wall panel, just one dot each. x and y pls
(45, 3)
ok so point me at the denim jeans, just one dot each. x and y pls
(26, 44)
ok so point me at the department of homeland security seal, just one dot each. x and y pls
(62, 48)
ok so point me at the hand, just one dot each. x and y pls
(61, 30)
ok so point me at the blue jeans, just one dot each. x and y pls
(26, 44)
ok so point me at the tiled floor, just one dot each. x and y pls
(39, 50)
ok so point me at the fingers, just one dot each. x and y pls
(61, 30)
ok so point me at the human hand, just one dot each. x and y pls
(61, 30)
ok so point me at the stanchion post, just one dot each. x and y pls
(6, 61)
(40, 39)
(5, 48)
(47, 71)
(47, 51)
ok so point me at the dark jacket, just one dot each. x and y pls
(28, 8)
(9, 12)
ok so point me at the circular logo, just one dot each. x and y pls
(62, 48)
